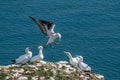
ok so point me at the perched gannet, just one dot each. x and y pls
(73, 61)
(82, 65)
(23, 59)
(47, 28)
(38, 57)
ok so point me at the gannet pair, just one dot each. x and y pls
(78, 62)
(47, 28)
(73, 61)
(23, 59)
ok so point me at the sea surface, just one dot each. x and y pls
(90, 28)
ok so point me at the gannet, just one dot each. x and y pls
(47, 28)
(73, 61)
(38, 57)
(23, 59)
(83, 66)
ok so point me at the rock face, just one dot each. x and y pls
(46, 71)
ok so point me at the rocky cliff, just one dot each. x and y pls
(46, 71)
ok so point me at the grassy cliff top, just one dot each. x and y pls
(45, 71)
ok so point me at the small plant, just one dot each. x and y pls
(29, 77)
(2, 76)
(9, 79)
(41, 71)
(27, 68)
(60, 77)
(48, 74)
(63, 67)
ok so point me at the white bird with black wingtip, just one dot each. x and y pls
(23, 59)
(83, 66)
(47, 28)
(38, 57)
(73, 60)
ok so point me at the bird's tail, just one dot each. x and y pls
(13, 61)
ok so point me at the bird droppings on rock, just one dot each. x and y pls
(48, 71)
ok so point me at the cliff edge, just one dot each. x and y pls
(46, 71)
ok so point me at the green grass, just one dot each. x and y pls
(3, 76)
(41, 72)
(30, 72)
(29, 77)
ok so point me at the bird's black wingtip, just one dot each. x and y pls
(31, 17)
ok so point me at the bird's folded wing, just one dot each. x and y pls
(21, 58)
(34, 58)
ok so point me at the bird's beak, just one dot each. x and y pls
(59, 39)
(65, 52)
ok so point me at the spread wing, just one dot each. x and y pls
(41, 25)
(50, 25)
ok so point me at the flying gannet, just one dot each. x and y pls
(83, 66)
(73, 61)
(38, 57)
(23, 59)
(47, 28)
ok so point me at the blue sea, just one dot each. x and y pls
(90, 28)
